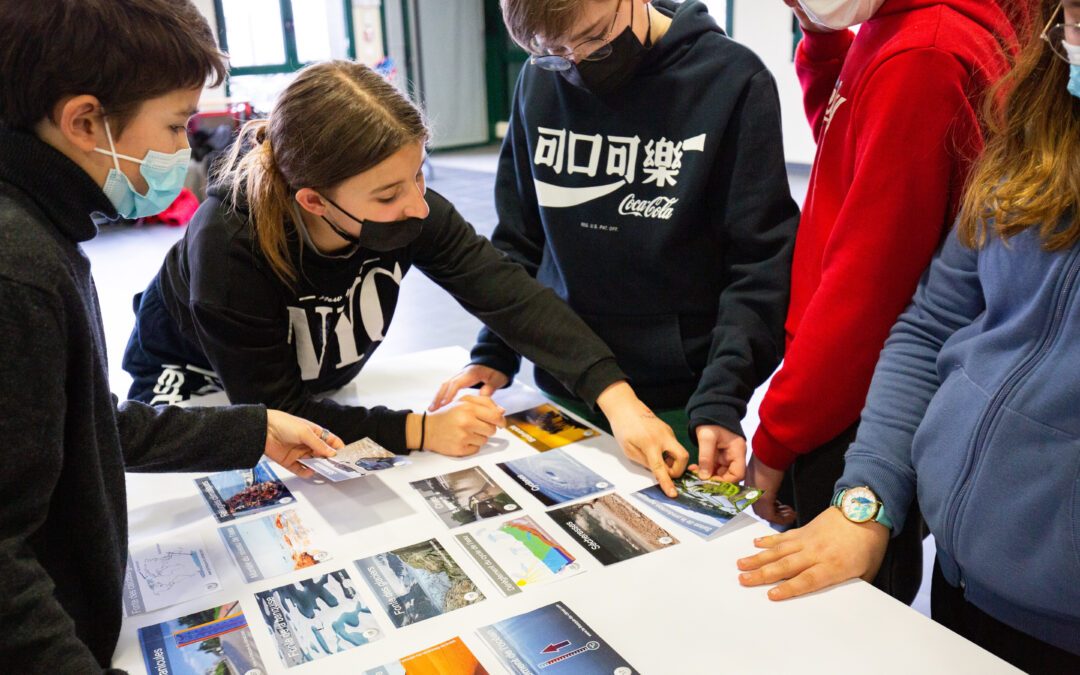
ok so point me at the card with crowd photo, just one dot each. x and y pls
(273, 545)
(464, 497)
(611, 529)
(545, 427)
(232, 494)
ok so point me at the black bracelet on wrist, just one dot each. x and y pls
(423, 429)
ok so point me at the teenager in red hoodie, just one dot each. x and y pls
(894, 113)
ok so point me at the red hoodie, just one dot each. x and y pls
(895, 114)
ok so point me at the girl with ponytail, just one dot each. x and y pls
(288, 277)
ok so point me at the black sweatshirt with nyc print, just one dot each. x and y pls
(279, 345)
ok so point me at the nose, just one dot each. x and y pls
(417, 206)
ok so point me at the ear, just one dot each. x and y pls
(80, 121)
(310, 201)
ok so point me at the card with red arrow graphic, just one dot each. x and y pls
(552, 640)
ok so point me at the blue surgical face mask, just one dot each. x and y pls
(1074, 69)
(164, 174)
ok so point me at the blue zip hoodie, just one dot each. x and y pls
(975, 405)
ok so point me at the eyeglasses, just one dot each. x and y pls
(593, 49)
(1056, 35)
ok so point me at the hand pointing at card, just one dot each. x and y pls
(644, 437)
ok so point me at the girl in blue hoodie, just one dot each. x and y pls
(975, 403)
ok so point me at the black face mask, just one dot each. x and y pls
(607, 75)
(376, 236)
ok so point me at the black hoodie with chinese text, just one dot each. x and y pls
(661, 213)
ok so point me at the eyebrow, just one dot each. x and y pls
(397, 183)
(188, 113)
(387, 187)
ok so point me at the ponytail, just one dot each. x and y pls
(252, 175)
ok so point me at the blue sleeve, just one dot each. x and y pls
(949, 298)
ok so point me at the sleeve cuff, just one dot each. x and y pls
(392, 431)
(771, 452)
(596, 379)
(250, 423)
(497, 357)
(720, 415)
(819, 47)
(890, 483)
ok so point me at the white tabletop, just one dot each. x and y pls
(679, 610)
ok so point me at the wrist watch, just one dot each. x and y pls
(861, 505)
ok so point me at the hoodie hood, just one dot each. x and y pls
(689, 21)
(1004, 18)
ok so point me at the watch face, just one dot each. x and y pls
(860, 505)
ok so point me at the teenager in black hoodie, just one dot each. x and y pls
(77, 94)
(287, 279)
(643, 179)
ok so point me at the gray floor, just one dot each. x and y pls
(125, 259)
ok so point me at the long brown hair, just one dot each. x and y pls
(337, 119)
(1029, 174)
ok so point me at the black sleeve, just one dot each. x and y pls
(240, 319)
(34, 627)
(256, 364)
(527, 315)
(519, 233)
(168, 438)
(756, 220)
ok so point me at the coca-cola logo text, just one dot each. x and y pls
(661, 208)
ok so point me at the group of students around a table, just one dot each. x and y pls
(648, 258)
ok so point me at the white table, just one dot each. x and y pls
(676, 611)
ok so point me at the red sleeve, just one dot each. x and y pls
(818, 62)
(909, 128)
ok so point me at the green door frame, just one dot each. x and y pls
(292, 60)
(503, 54)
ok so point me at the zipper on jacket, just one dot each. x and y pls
(1004, 392)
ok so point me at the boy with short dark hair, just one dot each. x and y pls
(643, 179)
(94, 101)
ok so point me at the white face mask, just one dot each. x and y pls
(840, 14)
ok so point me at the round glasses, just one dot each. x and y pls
(590, 50)
(1061, 33)
(593, 49)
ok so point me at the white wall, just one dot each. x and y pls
(210, 95)
(765, 27)
(452, 77)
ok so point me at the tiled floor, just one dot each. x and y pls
(126, 259)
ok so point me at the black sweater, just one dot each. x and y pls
(63, 515)
(661, 213)
(277, 344)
